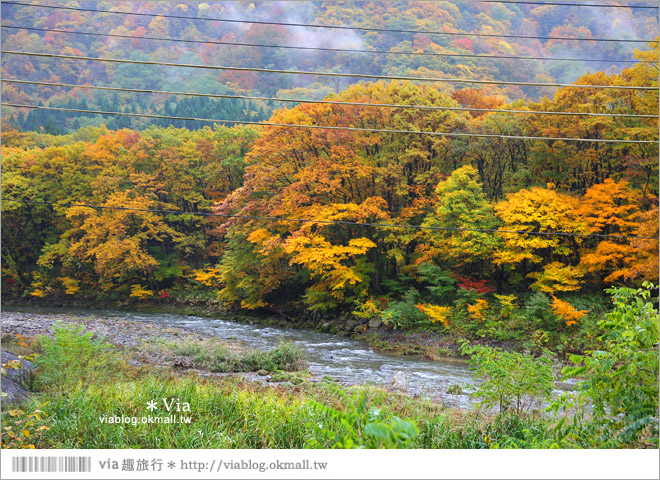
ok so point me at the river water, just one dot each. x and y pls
(346, 360)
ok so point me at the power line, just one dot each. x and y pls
(340, 50)
(565, 4)
(328, 222)
(324, 127)
(337, 27)
(327, 102)
(329, 74)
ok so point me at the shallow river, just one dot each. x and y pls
(344, 359)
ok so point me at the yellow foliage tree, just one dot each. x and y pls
(461, 203)
(117, 242)
(327, 262)
(507, 304)
(38, 286)
(207, 276)
(610, 207)
(611, 257)
(368, 309)
(613, 208)
(537, 210)
(645, 262)
(557, 277)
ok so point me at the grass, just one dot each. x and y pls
(295, 378)
(229, 413)
(225, 414)
(217, 356)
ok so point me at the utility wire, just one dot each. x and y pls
(566, 4)
(324, 127)
(329, 222)
(340, 50)
(328, 74)
(327, 102)
(337, 27)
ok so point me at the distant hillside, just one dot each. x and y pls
(487, 18)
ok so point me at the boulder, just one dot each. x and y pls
(12, 383)
(349, 325)
(21, 375)
(15, 393)
(375, 323)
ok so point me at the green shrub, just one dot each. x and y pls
(404, 314)
(510, 380)
(296, 378)
(442, 284)
(502, 431)
(73, 355)
(286, 356)
(538, 311)
(617, 403)
(465, 297)
(21, 429)
(511, 431)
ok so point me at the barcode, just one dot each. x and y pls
(51, 464)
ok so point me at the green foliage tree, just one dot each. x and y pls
(510, 380)
(461, 203)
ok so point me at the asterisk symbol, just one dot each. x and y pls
(171, 465)
(151, 405)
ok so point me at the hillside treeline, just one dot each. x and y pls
(469, 192)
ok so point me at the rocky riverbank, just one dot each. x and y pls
(430, 345)
(144, 345)
(378, 336)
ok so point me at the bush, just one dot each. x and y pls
(510, 431)
(73, 354)
(510, 380)
(442, 284)
(404, 314)
(538, 312)
(620, 381)
(21, 429)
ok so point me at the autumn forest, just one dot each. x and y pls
(456, 272)
(497, 211)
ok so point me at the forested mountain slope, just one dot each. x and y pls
(484, 213)
(433, 53)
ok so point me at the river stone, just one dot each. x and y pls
(15, 393)
(262, 373)
(12, 383)
(325, 327)
(22, 374)
(375, 323)
(350, 325)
